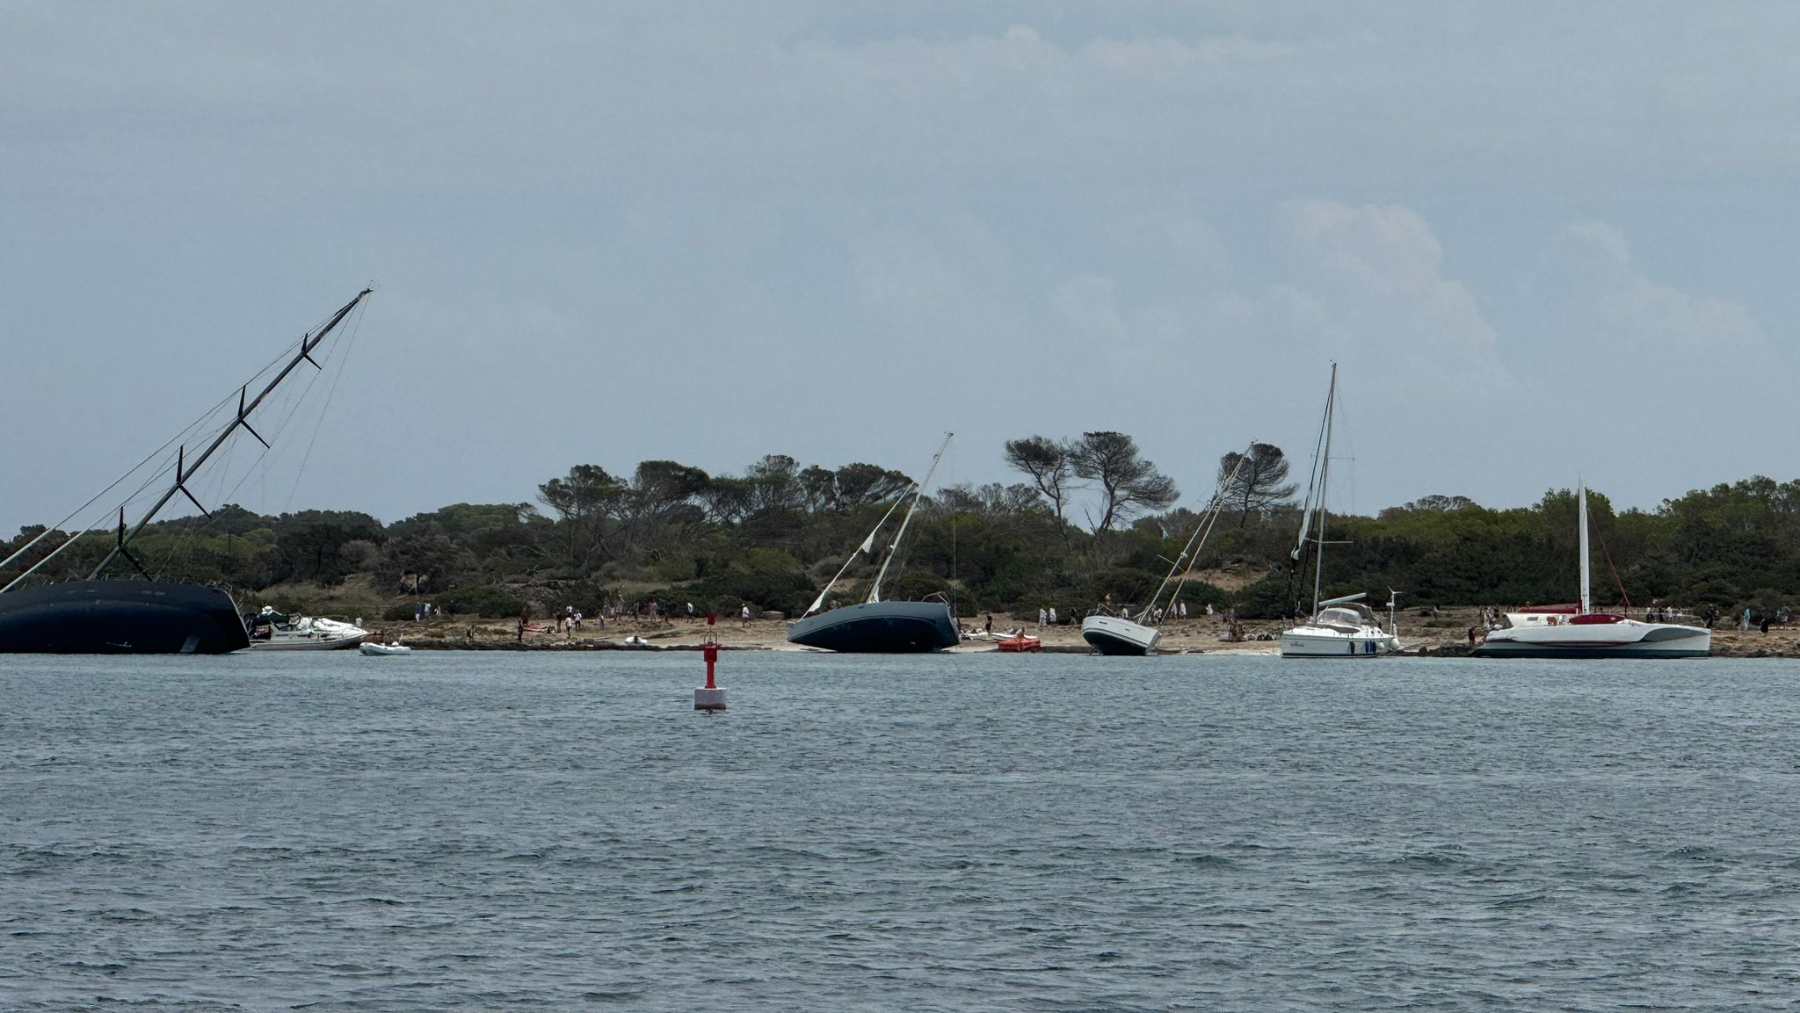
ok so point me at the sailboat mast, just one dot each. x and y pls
(1324, 486)
(184, 470)
(1587, 598)
(875, 589)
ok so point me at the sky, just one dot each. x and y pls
(1542, 241)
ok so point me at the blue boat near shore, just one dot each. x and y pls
(874, 626)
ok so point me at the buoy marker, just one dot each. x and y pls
(710, 698)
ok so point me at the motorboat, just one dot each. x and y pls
(1577, 631)
(1340, 627)
(272, 631)
(874, 626)
(372, 650)
(101, 615)
(1135, 633)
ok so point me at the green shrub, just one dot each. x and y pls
(488, 602)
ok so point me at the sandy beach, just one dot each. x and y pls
(1442, 634)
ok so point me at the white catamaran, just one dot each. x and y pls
(1577, 631)
(1136, 633)
(874, 626)
(1340, 627)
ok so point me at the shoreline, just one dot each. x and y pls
(1442, 634)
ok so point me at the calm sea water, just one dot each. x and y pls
(1059, 832)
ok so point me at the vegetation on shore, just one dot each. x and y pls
(1091, 521)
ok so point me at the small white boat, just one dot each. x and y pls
(272, 631)
(382, 650)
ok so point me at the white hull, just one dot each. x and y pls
(307, 634)
(1113, 635)
(313, 643)
(1622, 638)
(382, 650)
(1323, 642)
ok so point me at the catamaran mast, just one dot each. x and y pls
(919, 490)
(1324, 486)
(184, 471)
(1587, 598)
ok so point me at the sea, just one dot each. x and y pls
(956, 832)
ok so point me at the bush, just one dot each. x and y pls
(724, 593)
(488, 602)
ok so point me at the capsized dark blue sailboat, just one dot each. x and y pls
(874, 626)
(147, 616)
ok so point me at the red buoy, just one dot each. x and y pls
(710, 698)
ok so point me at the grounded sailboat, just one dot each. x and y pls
(874, 626)
(1340, 627)
(1136, 634)
(140, 616)
(1577, 631)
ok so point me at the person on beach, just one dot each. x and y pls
(745, 615)
(1053, 615)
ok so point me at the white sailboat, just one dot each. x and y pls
(1136, 633)
(1340, 627)
(1577, 631)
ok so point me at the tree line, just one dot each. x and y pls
(1089, 518)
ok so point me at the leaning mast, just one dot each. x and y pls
(184, 471)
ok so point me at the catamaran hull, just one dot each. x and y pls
(1620, 640)
(1112, 635)
(120, 617)
(883, 627)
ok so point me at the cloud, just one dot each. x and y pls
(1381, 268)
(1613, 304)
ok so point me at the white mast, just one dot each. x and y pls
(1324, 485)
(867, 547)
(1587, 600)
(1208, 518)
(918, 490)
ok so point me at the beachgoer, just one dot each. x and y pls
(1053, 615)
(745, 615)
(1042, 615)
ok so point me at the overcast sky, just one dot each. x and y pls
(1542, 240)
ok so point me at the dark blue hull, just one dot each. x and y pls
(120, 617)
(883, 627)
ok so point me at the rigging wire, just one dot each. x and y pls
(349, 347)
